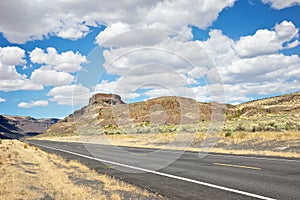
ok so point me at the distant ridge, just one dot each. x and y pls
(287, 103)
(15, 127)
(274, 99)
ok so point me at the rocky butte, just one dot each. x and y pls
(105, 99)
(109, 110)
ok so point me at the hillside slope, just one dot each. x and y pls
(17, 127)
(280, 113)
(289, 103)
(108, 111)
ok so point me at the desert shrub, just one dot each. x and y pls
(183, 129)
(167, 129)
(269, 128)
(228, 134)
(108, 132)
(118, 132)
(154, 129)
(298, 127)
(258, 128)
(109, 126)
(272, 123)
(240, 128)
(189, 128)
(161, 129)
(237, 114)
(137, 130)
(278, 128)
(171, 128)
(25, 145)
(290, 126)
(143, 130)
(0, 141)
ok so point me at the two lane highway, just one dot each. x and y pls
(188, 175)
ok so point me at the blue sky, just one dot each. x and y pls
(54, 56)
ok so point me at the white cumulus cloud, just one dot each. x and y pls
(280, 4)
(66, 61)
(70, 95)
(262, 73)
(174, 67)
(267, 41)
(33, 104)
(2, 100)
(71, 19)
(115, 88)
(10, 79)
(51, 77)
(12, 55)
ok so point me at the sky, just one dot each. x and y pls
(54, 55)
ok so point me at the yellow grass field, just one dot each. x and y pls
(29, 173)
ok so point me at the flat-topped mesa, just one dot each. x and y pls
(105, 99)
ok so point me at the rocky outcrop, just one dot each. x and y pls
(88, 116)
(105, 99)
(17, 126)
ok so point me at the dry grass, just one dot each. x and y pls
(29, 173)
(285, 144)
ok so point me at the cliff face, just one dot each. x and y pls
(17, 127)
(105, 99)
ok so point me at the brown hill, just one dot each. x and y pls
(109, 111)
(17, 127)
(285, 104)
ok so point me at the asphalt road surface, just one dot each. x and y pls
(188, 175)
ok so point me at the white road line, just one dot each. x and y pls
(162, 174)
